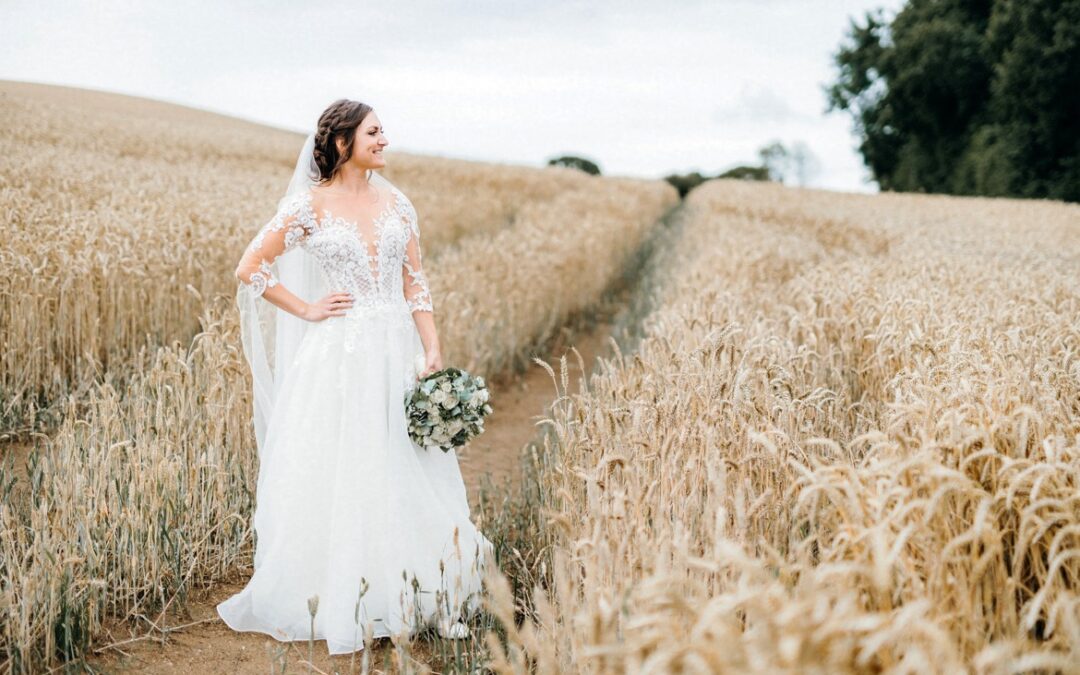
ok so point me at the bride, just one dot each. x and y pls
(359, 531)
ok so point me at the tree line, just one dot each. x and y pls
(970, 97)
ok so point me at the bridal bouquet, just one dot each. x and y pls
(447, 408)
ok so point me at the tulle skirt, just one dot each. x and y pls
(349, 510)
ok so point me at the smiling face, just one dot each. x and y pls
(368, 144)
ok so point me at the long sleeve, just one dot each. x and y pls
(289, 227)
(414, 282)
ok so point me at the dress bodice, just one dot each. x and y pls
(385, 273)
(345, 256)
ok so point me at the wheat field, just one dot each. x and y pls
(841, 433)
(123, 217)
(849, 441)
(125, 330)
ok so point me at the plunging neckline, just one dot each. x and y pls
(377, 224)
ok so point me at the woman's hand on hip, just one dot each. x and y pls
(334, 304)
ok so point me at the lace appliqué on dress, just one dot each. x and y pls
(297, 221)
(344, 255)
(421, 300)
(417, 293)
(353, 329)
(262, 279)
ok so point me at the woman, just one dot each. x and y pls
(354, 522)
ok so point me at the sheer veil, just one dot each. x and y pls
(270, 335)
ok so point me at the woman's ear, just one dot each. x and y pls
(340, 142)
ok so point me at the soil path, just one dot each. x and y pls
(202, 643)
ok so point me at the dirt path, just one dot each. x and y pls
(204, 644)
(522, 403)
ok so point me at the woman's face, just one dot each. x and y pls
(369, 143)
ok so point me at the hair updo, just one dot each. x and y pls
(339, 120)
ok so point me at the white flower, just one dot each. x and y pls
(438, 396)
(450, 401)
(446, 386)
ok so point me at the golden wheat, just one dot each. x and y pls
(850, 442)
(146, 488)
(123, 216)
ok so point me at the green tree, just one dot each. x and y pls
(746, 172)
(576, 163)
(966, 96)
(685, 182)
(777, 163)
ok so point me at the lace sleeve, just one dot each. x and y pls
(414, 283)
(289, 227)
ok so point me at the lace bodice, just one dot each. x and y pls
(344, 254)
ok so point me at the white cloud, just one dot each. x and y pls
(756, 105)
(642, 88)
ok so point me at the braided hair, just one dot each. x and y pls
(339, 120)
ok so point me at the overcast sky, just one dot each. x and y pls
(640, 88)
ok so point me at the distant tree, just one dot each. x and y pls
(966, 96)
(776, 160)
(684, 183)
(744, 172)
(576, 163)
(782, 164)
(804, 163)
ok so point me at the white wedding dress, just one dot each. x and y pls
(344, 496)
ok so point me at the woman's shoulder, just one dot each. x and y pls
(296, 208)
(401, 200)
(296, 201)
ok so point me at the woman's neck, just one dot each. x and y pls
(350, 180)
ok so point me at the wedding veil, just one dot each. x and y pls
(270, 335)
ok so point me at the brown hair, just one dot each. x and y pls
(340, 119)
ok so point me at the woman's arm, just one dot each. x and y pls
(281, 234)
(418, 295)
